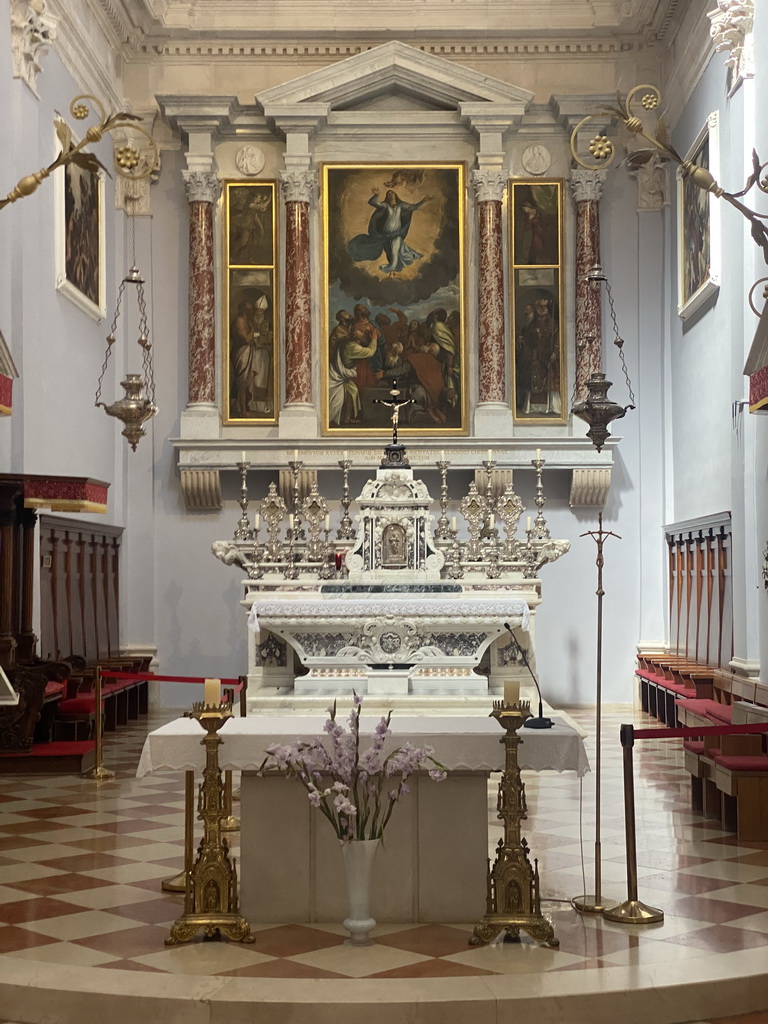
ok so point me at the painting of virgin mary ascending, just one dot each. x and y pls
(394, 288)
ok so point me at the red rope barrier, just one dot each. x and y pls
(704, 730)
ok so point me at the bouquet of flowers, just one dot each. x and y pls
(357, 792)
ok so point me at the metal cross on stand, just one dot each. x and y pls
(395, 403)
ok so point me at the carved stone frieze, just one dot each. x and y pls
(589, 488)
(201, 489)
(731, 29)
(489, 186)
(298, 186)
(652, 179)
(587, 186)
(33, 30)
(201, 186)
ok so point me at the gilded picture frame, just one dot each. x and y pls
(394, 297)
(698, 226)
(251, 367)
(539, 371)
(79, 239)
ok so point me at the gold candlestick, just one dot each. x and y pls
(210, 899)
(513, 900)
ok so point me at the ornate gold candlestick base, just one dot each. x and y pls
(513, 901)
(210, 898)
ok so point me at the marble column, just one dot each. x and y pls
(492, 415)
(297, 190)
(587, 188)
(202, 192)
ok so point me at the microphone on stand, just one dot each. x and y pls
(531, 723)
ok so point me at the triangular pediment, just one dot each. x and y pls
(395, 69)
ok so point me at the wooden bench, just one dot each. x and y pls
(665, 679)
(122, 699)
(729, 779)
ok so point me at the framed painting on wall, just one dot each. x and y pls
(698, 226)
(538, 349)
(79, 235)
(251, 368)
(393, 239)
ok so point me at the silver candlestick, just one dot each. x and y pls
(243, 529)
(489, 531)
(455, 568)
(442, 530)
(328, 569)
(540, 528)
(294, 466)
(346, 530)
(291, 570)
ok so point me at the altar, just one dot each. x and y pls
(433, 864)
(398, 604)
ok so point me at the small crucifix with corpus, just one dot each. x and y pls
(395, 403)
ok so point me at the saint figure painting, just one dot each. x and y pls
(394, 279)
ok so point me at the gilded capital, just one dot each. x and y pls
(587, 186)
(201, 186)
(489, 186)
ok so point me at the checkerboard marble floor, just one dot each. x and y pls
(81, 865)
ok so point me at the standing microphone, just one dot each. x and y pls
(531, 723)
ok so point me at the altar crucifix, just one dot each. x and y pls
(395, 403)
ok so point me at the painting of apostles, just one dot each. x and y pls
(251, 355)
(251, 224)
(367, 353)
(82, 231)
(536, 224)
(696, 230)
(538, 370)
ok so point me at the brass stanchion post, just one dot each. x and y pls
(98, 772)
(632, 911)
(178, 883)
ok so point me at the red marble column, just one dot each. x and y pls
(297, 189)
(587, 187)
(489, 189)
(202, 192)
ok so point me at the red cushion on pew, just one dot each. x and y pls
(695, 746)
(742, 762)
(53, 687)
(652, 677)
(77, 706)
(678, 688)
(119, 684)
(721, 713)
(699, 706)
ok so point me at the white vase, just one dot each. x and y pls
(358, 864)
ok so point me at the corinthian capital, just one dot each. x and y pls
(587, 185)
(33, 29)
(201, 186)
(731, 30)
(489, 185)
(298, 185)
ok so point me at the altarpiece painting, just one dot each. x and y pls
(538, 350)
(394, 296)
(698, 226)
(80, 239)
(250, 247)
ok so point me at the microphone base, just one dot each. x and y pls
(538, 723)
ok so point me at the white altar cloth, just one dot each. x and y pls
(463, 744)
(423, 606)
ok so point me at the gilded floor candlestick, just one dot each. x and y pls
(210, 900)
(513, 900)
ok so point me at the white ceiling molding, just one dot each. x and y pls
(88, 48)
(689, 52)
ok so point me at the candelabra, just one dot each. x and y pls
(243, 530)
(442, 530)
(488, 530)
(210, 896)
(345, 531)
(295, 465)
(540, 528)
(513, 898)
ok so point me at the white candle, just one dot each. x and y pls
(212, 692)
(511, 691)
(490, 455)
(442, 455)
(529, 523)
(453, 523)
(327, 522)
(295, 454)
(290, 520)
(256, 521)
(538, 453)
(242, 456)
(345, 456)
(492, 521)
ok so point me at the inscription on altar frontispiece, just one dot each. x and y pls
(394, 296)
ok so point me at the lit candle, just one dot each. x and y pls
(453, 523)
(529, 523)
(256, 521)
(490, 455)
(491, 520)
(538, 453)
(327, 522)
(242, 456)
(212, 692)
(511, 691)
